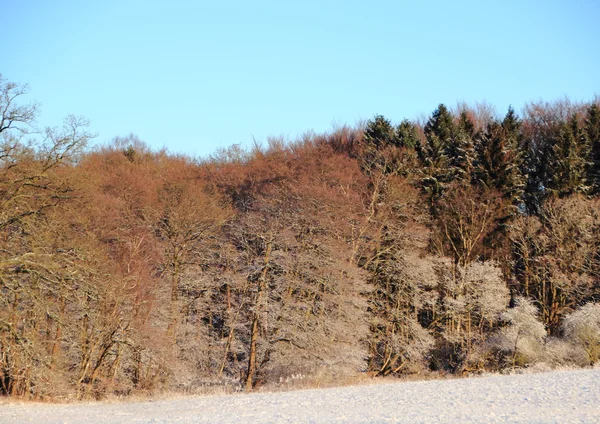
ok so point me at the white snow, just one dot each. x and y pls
(556, 397)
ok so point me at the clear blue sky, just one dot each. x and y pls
(194, 76)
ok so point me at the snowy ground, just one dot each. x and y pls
(557, 397)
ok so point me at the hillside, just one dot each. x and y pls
(466, 244)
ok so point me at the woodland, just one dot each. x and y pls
(464, 242)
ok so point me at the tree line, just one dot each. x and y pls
(462, 244)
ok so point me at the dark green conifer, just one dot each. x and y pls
(440, 125)
(537, 150)
(407, 134)
(433, 152)
(460, 149)
(512, 126)
(567, 160)
(592, 135)
(380, 132)
(499, 160)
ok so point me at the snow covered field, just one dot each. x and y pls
(557, 397)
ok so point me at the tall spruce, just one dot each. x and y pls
(461, 150)
(513, 183)
(389, 149)
(407, 134)
(592, 135)
(537, 148)
(567, 160)
(380, 132)
(499, 159)
(433, 152)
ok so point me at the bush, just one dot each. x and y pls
(521, 342)
(582, 329)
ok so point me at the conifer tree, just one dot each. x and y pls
(499, 160)
(433, 152)
(536, 146)
(567, 160)
(440, 125)
(592, 135)
(407, 134)
(512, 126)
(461, 149)
(380, 132)
(513, 181)
(389, 149)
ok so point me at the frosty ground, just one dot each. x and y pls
(555, 397)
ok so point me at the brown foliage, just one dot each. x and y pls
(124, 270)
(465, 218)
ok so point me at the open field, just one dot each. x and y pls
(556, 397)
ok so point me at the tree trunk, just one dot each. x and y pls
(174, 304)
(255, 319)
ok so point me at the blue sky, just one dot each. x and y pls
(194, 76)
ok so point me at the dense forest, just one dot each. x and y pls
(465, 242)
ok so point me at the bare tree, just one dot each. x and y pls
(556, 257)
(35, 273)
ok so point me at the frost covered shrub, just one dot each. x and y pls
(469, 301)
(560, 353)
(521, 342)
(413, 345)
(399, 344)
(486, 292)
(582, 329)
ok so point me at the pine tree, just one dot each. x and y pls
(433, 152)
(536, 146)
(440, 125)
(512, 126)
(567, 160)
(499, 160)
(460, 149)
(407, 134)
(513, 180)
(388, 149)
(592, 135)
(380, 132)
(466, 124)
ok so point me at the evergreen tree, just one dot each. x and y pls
(490, 156)
(388, 149)
(407, 134)
(536, 146)
(433, 152)
(460, 149)
(380, 132)
(499, 160)
(512, 182)
(512, 126)
(567, 160)
(466, 124)
(440, 125)
(592, 135)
